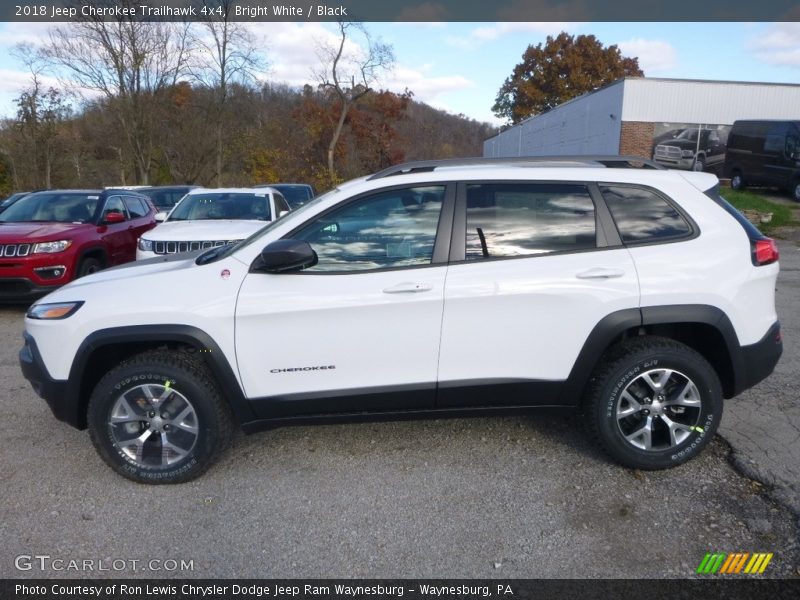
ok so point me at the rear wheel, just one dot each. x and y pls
(159, 418)
(653, 403)
(796, 191)
(737, 180)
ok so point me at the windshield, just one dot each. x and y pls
(223, 251)
(53, 208)
(252, 206)
(164, 199)
(295, 194)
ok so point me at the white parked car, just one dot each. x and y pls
(636, 296)
(207, 218)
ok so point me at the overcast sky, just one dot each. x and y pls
(460, 66)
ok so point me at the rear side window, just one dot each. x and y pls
(136, 207)
(642, 216)
(513, 220)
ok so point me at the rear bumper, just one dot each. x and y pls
(63, 405)
(759, 360)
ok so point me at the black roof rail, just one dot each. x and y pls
(608, 161)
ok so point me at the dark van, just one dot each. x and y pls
(764, 153)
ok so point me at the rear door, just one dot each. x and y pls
(535, 266)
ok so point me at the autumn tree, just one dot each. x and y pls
(349, 73)
(131, 64)
(562, 68)
(225, 54)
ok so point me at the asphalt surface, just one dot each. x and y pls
(484, 497)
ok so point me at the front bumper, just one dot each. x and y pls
(676, 163)
(21, 289)
(65, 406)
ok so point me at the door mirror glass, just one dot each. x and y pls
(161, 217)
(286, 255)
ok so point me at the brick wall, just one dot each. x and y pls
(636, 138)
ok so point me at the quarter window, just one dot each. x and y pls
(643, 216)
(508, 220)
(391, 229)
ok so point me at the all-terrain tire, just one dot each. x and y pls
(622, 396)
(185, 428)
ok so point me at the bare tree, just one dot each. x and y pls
(350, 72)
(130, 64)
(226, 53)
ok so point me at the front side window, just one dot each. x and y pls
(395, 228)
(114, 205)
(643, 216)
(512, 220)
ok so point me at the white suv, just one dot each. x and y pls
(634, 294)
(206, 218)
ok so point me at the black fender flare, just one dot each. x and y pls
(614, 325)
(208, 349)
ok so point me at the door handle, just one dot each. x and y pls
(600, 273)
(408, 287)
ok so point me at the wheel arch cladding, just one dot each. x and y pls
(105, 348)
(706, 329)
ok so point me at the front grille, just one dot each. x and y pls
(178, 247)
(9, 250)
(667, 151)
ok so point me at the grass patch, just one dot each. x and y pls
(747, 200)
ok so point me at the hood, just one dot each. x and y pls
(200, 231)
(682, 144)
(37, 232)
(174, 262)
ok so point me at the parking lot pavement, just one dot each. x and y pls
(484, 497)
(763, 424)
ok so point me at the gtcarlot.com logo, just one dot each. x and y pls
(734, 563)
(45, 562)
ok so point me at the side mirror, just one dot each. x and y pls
(161, 217)
(283, 213)
(286, 255)
(114, 217)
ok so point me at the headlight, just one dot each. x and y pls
(145, 245)
(687, 153)
(54, 310)
(51, 247)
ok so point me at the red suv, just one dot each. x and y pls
(50, 238)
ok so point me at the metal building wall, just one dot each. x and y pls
(716, 102)
(589, 124)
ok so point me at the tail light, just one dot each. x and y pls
(765, 252)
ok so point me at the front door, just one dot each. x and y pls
(359, 331)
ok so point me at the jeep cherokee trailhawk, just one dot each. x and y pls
(634, 294)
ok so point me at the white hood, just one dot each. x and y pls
(200, 231)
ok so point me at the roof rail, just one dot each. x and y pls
(608, 161)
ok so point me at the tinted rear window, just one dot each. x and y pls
(642, 216)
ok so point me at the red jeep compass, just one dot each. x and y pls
(50, 238)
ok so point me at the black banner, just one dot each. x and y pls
(728, 588)
(401, 10)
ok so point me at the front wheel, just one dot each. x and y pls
(699, 164)
(159, 418)
(654, 403)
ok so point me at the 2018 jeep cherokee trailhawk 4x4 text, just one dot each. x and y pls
(636, 295)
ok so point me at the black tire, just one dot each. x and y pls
(699, 164)
(88, 266)
(624, 373)
(795, 190)
(737, 181)
(183, 380)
